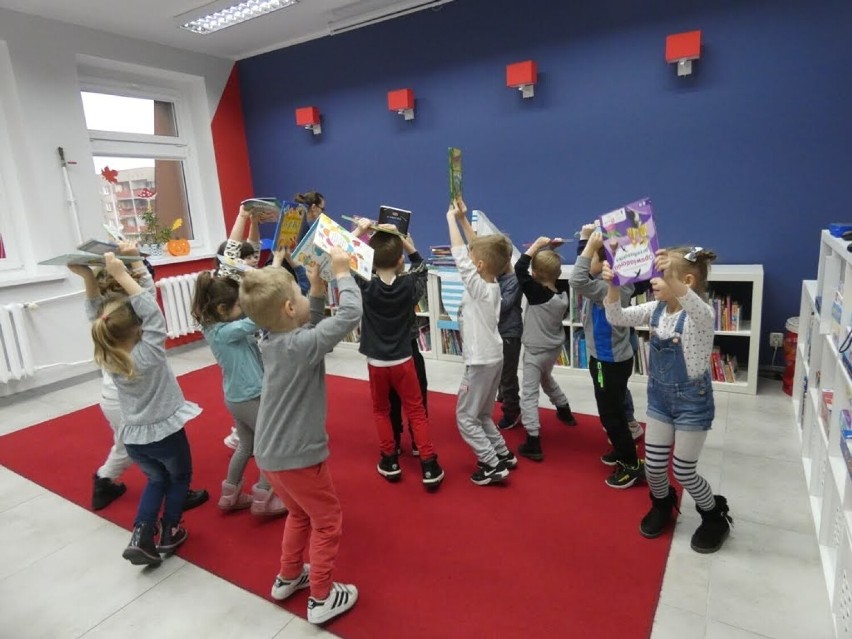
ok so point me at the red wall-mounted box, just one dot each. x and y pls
(521, 73)
(683, 46)
(400, 100)
(307, 116)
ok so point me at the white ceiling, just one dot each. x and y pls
(156, 21)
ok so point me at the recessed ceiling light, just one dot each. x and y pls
(234, 14)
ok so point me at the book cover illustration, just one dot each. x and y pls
(400, 218)
(290, 220)
(455, 157)
(630, 242)
(266, 213)
(321, 237)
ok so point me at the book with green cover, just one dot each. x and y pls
(455, 162)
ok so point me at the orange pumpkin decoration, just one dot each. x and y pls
(178, 247)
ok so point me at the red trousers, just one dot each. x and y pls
(403, 379)
(314, 517)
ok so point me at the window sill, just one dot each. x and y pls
(22, 279)
(157, 260)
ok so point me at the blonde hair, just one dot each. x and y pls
(263, 293)
(547, 265)
(116, 325)
(699, 268)
(494, 250)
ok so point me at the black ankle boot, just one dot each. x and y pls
(105, 491)
(194, 498)
(142, 550)
(714, 528)
(660, 516)
(531, 448)
(172, 535)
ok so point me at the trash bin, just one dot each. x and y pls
(791, 340)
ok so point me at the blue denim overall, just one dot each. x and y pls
(674, 398)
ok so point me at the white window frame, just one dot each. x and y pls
(11, 227)
(204, 202)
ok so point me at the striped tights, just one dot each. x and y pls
(659, 439)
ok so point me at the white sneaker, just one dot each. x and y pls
(232, 440)
(340, 599)
(283, 588)
(636, 429)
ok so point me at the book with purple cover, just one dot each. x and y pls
(630, 241)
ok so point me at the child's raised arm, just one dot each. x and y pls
(623, 316)
(116, 268)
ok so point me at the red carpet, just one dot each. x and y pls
(553, 553)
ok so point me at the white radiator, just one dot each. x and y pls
(16, 357)
(176, 293)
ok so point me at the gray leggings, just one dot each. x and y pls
(659, 438)
(245, 417)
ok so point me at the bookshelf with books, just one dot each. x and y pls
(738, 294)
(822, 401)
(446, 290)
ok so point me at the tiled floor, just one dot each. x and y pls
(60, 576)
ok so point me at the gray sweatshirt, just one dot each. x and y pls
(290, 431)
(604, 341)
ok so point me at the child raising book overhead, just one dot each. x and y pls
(680, 392)
(130, 338)
(232, 338)
(291, 443)
(479, 263)
(543, 337)
(610, 361)
(389, 297)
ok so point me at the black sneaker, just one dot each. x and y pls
(105, 492)
(507, 423)
(486, 474)
(509, 459)
(564, 415)
(625, 476)
(142, 551)
(531, 448)
(609, 458)
(194, 498)
(433, 474)
(388, 468)
(171, 537)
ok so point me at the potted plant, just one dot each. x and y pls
(156, 237)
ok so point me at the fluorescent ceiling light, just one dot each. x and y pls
(234, 14)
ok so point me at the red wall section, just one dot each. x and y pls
(232, 165)
(229, 142)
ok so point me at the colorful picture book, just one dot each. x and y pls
(266, 212)
(630, 242)
(325, 234)
(290, 222)
(400, 218)
(455, 158)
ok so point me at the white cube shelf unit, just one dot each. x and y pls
(824, 320)
(744, 282)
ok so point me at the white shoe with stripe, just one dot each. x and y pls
(283, 588)
(340, 599)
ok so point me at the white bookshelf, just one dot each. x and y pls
(745, 279)
(824, 319)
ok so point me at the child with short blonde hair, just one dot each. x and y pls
(479, 264)
(543, 338)
(680, 390)
(291, 443)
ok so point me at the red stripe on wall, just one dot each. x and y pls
(232, 166)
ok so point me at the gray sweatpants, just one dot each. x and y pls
(538, 369)
(473, 411)
(245, 416)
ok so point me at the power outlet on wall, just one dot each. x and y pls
(776, 340)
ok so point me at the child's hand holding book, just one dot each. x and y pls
(339, 262)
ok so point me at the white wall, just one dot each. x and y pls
(40, 110)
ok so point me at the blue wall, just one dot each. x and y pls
(749, 156)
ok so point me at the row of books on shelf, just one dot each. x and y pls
(424, 339)
(723, 368)
(451, 342)
(728, 313)
(441, 256)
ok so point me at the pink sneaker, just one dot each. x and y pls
(266, 503)
(233, 498)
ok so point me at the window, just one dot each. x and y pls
(142, 162)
